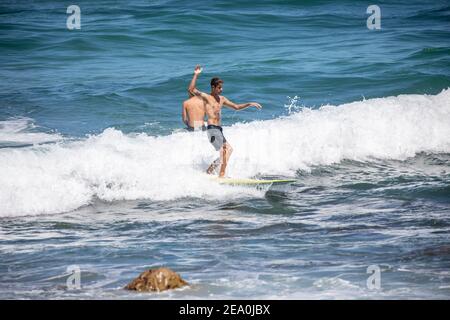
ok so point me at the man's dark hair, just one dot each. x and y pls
(215, 82)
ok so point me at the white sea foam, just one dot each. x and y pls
(20, 131)
(114, 166)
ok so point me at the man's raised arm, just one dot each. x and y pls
(241, 106)
(192, 89)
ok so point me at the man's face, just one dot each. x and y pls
(218, 89)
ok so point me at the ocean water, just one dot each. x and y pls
(97, 172)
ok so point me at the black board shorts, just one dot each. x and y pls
(215, 136)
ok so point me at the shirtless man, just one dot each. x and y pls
(193, 113)
(213, 103)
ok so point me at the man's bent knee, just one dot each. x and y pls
(228, 148)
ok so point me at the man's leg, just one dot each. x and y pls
(216, 138)
(213, 166)
(225, 153)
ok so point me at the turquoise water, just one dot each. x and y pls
(97, 171)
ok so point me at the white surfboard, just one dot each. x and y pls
(253, 182)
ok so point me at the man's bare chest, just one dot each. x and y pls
(215, 106)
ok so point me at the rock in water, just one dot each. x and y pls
(156, 280)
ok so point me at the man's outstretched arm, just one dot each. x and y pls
(241, 106)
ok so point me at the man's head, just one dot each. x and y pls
(216, 85)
